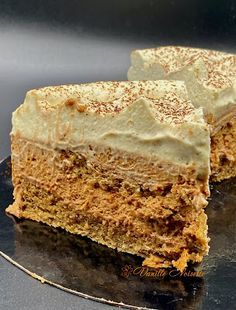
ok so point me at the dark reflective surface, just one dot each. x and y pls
(89, 268)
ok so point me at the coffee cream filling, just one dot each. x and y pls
(135, 130)
(225, 118)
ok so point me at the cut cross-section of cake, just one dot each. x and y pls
(210, 78)
(123, 163)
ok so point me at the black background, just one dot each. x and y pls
(59, 42)
(141, 19)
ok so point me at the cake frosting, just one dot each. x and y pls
(210, 76)
(152, 119)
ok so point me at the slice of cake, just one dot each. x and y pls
(210, 77)
(124, 163)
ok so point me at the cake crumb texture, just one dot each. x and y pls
(162, 221)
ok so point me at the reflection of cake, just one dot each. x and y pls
(210, 78)
(90, 268)
(124, 163)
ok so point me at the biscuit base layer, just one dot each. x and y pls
(164, 222)
(223, 152)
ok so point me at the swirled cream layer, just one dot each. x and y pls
(154, 119)
(210, 76)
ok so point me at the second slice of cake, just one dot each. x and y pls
(123, 163)
(210, 78)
